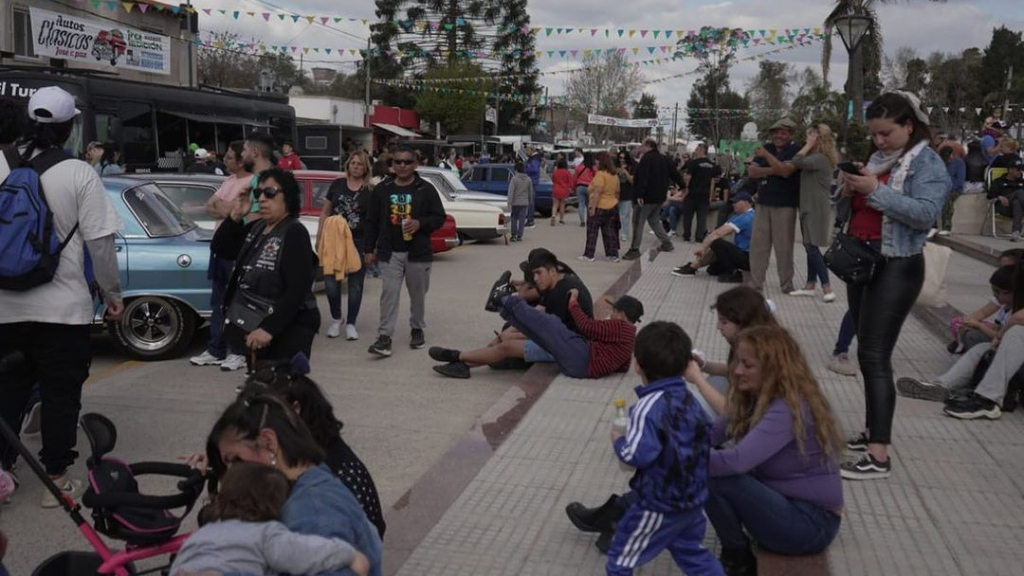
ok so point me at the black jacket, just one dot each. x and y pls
(653, 176)
(379, 228)
(1003, 186)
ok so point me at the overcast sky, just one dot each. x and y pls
(948, 27)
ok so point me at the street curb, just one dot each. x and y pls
(979, 252)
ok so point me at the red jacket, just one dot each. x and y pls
(290, 162)
(562, 183)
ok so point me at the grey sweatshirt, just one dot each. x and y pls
(234, 546)
(519, 190)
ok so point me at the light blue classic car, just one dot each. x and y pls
(163, 257)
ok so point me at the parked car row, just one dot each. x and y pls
(164, 248)
(495, 178)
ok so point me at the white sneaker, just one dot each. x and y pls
(33, 420)
(944, 232)
(830, 297)
(802, 293)
(67, 485)
(205, 359)
(350, 332)
(335, 330)
(233, 362)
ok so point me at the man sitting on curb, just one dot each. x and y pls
(601, 347)
(1008, 192)
(728, 258)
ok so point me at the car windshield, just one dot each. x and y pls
(157, 214)
(440, 183)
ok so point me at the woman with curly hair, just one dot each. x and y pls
(777, 483)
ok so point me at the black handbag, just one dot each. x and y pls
(851, 259)
(248, 311)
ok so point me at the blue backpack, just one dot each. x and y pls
(29, 247)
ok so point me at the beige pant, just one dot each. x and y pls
(774, 227)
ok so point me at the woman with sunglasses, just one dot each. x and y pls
(269, 303)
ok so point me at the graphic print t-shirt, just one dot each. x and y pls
(399, 203)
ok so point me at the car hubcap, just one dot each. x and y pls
(150, 323)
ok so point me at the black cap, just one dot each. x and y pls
(743, 196)
(1016, 163)
(539, 257)
(631, 307)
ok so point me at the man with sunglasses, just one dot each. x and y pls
(402, 213)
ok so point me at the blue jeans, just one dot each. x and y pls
(571, 351)
(582, 194)
(531, 210)
(672, 213)
(817, 272)
(332, 286)
(219, 273)
(776, 523)
(519, 219)
(846, 334)
(626, 219)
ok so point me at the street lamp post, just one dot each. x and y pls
(852, 29)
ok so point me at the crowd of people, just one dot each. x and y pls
(750, 443)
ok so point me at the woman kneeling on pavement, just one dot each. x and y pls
(269, 302)
(261, 429)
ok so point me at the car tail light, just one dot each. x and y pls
(501, 219)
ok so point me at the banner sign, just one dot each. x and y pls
(79, 40)
(622, 122)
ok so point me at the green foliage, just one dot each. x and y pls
(1004, 50)
(712, 91)
(223, 64)
(646, 107)
(458, 112)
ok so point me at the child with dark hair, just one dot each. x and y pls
(241, 532)
(983, 324)
(669, 442)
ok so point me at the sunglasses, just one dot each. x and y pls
(269, 193)
(403, 162)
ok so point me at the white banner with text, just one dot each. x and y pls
(78, 39)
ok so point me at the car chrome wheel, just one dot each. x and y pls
(150, 324)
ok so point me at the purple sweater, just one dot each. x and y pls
(769, 452)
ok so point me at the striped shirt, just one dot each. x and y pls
(611, 342)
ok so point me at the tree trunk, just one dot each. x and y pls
(855, 83)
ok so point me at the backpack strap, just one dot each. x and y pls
(12, 157)
(47, 159)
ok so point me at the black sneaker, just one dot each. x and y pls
(443, 354)
(666, 246)
(921, 390)
(734, 278)
(738, 562)
(417, 339)
(501, 288)
(867, 467)
(382, 347)
(631, 255)
(955, 347)
(858, 443)
(684, 270)
(973, 407)
(453, 370)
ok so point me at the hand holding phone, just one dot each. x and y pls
(850, 168)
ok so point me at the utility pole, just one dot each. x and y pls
(1006, 99)
(675, 119)
(366, 68)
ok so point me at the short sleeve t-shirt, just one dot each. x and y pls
(609, 184)
(231, 189)
(75, 194)
(556, 300)
(702, 171)
(742, 225)
(775, 190)
(351, 205)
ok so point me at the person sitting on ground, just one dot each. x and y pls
(241, 532)
(289, 381)
(1008, 191)
(728, 258)
(667, 441)
(1006, 360)
(599, 348)
(672, 210)
(778, 484)
(983, 324)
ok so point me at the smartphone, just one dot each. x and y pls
(849, 168)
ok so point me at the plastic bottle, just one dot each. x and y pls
(620, 425)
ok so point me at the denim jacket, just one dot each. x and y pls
(908, 215)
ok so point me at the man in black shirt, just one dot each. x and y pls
(1008, 191)
(654, 174)
(401, 215)
(700, 174)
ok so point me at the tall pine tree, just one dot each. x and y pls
(518, 67)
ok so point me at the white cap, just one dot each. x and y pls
(55, 104)
(201, 154)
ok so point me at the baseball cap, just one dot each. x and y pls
(52, 105)
(783, 124)
(539, 257)
(1016, 163)
(201, 154)
(742, 196)
(631, 307)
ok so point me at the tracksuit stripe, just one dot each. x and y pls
(645, 405)
(633, 539)
(635, 556)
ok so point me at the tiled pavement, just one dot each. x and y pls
(954, 505)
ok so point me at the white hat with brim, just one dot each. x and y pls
(52, 105)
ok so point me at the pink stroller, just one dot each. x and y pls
(146, 524)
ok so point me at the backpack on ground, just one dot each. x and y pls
(29, 247)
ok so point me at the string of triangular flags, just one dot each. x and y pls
(978, 111)
(758, 56)
(446, 90)
(128, 7)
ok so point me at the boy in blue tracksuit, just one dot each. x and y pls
(668, 442)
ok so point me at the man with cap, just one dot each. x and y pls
(778, 200)
(49, 325)
(598, 348)
(728, 258)
(202, 164)
(1008, 192)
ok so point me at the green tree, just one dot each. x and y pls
(603, 85)
(518, 71)
(953, 85)
(768, 92)
(646, 106)
(223, 64)
(1004, 50)
(458, 106)
(711, 95)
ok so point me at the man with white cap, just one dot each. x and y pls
(47, 326)
(202, 164)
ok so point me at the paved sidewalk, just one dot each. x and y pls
(951, 507)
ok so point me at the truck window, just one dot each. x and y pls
(501, 175)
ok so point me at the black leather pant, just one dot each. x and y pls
(878, 311)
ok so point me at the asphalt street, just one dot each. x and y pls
(399, 415)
